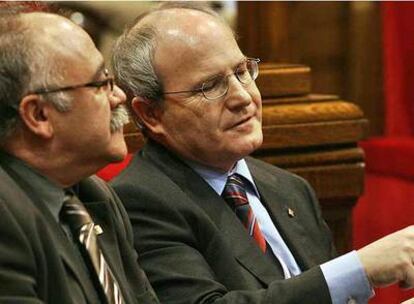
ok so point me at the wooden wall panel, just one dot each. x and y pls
(339, 41)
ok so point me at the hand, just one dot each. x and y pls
(410, 301)
(390, 260)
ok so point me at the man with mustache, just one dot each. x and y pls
(211, 224)
(64, 236)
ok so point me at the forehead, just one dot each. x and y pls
(69, 47)
(193, 46)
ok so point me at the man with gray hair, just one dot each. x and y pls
(64, 236)
(211, 224)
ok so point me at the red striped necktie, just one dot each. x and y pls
(234, 194)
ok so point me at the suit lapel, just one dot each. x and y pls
(63, 245)
(199, 192)
(71, 257)
(244, 247)
(278, 202)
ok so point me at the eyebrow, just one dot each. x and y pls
(211, 77)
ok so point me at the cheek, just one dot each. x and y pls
(101, 112)
(191, 117)
(210, 123)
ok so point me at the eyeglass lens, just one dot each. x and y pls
(217, 87)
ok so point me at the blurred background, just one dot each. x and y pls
(362, 52)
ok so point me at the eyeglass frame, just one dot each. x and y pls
(200, 89)
(109, 81)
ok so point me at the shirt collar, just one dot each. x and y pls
(217, 180)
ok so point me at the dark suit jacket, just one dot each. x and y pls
(195, 250)
(39, 264)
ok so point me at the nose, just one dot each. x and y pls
(237, 95)
(117, 96)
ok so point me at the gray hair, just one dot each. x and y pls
(133, 54)
(132, 62)
(25, 66)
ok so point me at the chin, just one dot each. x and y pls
(117, 153)
(117, 158)
(258, 143)
(244, 149)
(251, 143)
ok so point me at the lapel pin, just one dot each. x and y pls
(98, 230)
(290, 212)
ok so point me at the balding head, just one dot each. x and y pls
(57, 33)
(60, 64)
(134, 55)
(189, 59)
(32, 48)
(183, 37)
(182, 23)
(54, 39)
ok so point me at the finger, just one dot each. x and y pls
(410, 301)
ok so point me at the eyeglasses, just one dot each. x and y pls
(217, 87)
(108, 83)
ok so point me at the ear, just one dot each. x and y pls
(149, 114)
(34, 112)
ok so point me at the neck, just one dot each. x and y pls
(61, 169)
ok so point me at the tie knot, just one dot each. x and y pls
(73, 213)
(235, 179)
(234, 192)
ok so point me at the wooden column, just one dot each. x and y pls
(263, 30)
(314, 136)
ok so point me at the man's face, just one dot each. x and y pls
(217, 132)
(84, 132)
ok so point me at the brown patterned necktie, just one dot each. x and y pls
(74, 214)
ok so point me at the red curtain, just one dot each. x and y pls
(388, 201)
(387, 204)
(398, 42)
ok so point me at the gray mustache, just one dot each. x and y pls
(119, 118)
